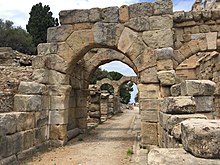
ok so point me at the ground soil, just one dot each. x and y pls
(107, 144)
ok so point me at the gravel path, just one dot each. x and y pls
(107, 144)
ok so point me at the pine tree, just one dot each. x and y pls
(40, 20)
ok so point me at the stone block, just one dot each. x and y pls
(173, 156)
(41, 135)
(149, 133)
(27, 102)
(141, 9)
(167, 78)
(204, 103)
(59, 102)
(57, 63)
(149, 116)
(149, 91)
(163, 7)
(25, 121)
(164, 65)
(161, 22)
(31, 88)
(57, 78)
(65, 52)
(153, 38)
(175, 90)
(47, 48)
(136, 48)
(175, 120)
(95, 15)
(138, 24)
(41, 118)
(10, 145)
(201, 137)
(123, 14)
(165, 91)
(126, 39)
(106, 33)
(59, 90)
(73, 16)
(45, 102)
(59, 33)
(197, 88)
(58, 132)
(110, 14)
(8, 123)
(179, 105)
(149, 75)
(41, 76)
(149, 104)
(27, 139)
(58, 117)
(145, 60)
(211, 40)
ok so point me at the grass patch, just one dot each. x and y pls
(130, 152)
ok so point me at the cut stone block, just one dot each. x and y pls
(27, 103)
(174, 156)
(201, 137)
(197, 88)
(167, 78)
(204, 103)
(175, 90)
(31, 88)
(178, 105)
(58, 117)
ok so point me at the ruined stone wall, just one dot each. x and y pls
(23, 128)
(190, 99)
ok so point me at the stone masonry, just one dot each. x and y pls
(48, 102)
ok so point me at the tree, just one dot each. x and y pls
(40, 20)
(125, 90)
(99, 74)
(16, 38)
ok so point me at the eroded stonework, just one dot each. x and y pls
(50, 105)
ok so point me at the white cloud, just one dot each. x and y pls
(119, 67)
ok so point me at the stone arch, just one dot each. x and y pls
(60, 61)
(117, 84)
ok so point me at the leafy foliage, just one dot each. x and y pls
(15, 37)
(125, 92)
(40, 20)
(125, 89)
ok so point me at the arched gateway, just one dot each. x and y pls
(148, 37)
(139, 35)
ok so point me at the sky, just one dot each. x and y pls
(17, 11)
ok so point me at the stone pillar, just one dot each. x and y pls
(94, 114)
(104, 105)
(149, 107)
(58, 113)
(81, 108)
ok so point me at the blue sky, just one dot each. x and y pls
(18, 12)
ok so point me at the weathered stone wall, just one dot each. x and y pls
(23, 128)
(192, 99)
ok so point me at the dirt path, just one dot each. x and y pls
(105, 145)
